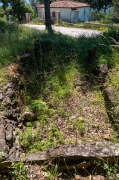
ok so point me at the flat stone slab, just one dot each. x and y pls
(78, 156)
(37, 157)
(25, 56)
(98, 149)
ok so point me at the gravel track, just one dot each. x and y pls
(75, 32)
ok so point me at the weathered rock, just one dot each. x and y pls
(3, 145)
(30, 116)
(36, 157)
(98, 149)
(9, 135)
(9, 121)
(6, 100)
(14, 153)
(14, 104)
(1, 96)
(106, 136)
(10, 93)
(77, 177)
(17, 110)
(110, 94)
(8, 85)
(8, 114)
(79, 156)
(15, 116)
(101, 69)
(98, 177)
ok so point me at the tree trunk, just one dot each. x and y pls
(47, 14)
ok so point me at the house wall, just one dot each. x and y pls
(41, 13)
(84, 14)
(66, 14)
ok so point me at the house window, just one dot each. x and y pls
(53, 14)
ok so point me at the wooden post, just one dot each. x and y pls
(58, 17)
(27, 17)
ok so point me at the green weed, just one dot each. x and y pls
(19, 170)
(51, 172)
(80, 125)
(41, 138)
(111, 170)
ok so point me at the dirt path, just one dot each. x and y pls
(75, 32)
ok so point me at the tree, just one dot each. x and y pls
(115, 11)
(5, 3)
(47, 14)
(47, 11)
(116, 3)
(99, 4)
(2, 13)
(17, 8)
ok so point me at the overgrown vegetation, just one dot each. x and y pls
(19, 170)
(59, 85)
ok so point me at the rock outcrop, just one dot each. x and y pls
(9, 120)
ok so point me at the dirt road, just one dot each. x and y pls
(75, 32)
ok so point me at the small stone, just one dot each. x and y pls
(10, 92)
(106, 136)
(117, 175)
(7, 100)
(8, 113)
(20, 125)
(77, 177)
(98, 177)
(29, 116)
(9, 135)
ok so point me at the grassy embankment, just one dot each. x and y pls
(59, 87)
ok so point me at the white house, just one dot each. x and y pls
(70, 11)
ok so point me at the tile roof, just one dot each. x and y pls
(65, 4)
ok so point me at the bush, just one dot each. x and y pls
(114, 14)
(100, 16)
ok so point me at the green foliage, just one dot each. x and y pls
(1, 12)
(40, 107)
(41, 138)
(114, 14)
(26, 139)
(80, 125)
(100, 16)
(99, 4)
(111, 170)
(19, 171)
(112, 33)
(16, 8)
(51, 172)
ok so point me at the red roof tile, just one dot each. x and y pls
(65, 4)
